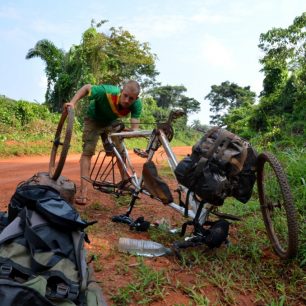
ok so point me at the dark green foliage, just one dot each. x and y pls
(284, 66)
(20, 113)
(169, 96)
(227, 96)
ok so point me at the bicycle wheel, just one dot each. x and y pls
(61, 140)
(277, 206)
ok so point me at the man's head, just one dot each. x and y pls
(129, 93)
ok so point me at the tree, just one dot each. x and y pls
(226, 97)
(172, 96)
(284, 85)
(54, 58)
(100, 57)
(198, 126)
(166, 96)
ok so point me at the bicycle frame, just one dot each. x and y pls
(198, 211)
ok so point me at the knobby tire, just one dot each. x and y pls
(284, 205)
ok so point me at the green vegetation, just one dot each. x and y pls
(148, 286)
(28, 128)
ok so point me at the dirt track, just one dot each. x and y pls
(14, 170)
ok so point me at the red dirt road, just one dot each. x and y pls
(14, 170)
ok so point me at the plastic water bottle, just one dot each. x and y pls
(140, 247)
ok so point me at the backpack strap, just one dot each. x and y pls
(34, 241)
(11, 231)
(14, 293)
(61, 290)
(78, 238)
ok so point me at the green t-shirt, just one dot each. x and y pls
(104, 104)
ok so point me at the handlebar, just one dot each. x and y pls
(174, 114)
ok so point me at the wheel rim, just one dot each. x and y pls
(61, 144)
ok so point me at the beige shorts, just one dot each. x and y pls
(92, 132)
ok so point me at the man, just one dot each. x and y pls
(107, 104)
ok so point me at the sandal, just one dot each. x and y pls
(81, 200)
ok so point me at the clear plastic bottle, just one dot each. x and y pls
(140, 247)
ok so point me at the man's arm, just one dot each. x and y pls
(81, 93)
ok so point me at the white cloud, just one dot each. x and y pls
(148, 27)
(215, 53)
(204, 15)
(14, 35)
(45, 27)
(8, 12)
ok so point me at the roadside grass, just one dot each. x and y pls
(195, 294)
(147, 286)
(36, 139)
(122, 201)
(246, 265)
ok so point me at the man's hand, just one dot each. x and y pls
(66, 106)
(81, 93)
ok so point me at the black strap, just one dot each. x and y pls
(187, 203)
(218, 141)
(62, 291)
(35, 242)
(184, 227)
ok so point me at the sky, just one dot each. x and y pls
(198, 43)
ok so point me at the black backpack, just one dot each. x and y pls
(221, 164)
(42, 256)
(48, 202)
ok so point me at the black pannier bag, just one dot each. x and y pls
(221, 164)
(243, 182)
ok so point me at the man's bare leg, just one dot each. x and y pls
(120, 148)
(85, 163)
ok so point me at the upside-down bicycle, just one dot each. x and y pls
(274, 193)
